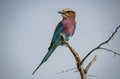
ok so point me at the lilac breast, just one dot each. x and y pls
(68, 26)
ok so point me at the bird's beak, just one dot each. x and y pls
(61, 12)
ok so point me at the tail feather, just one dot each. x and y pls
(50, 51)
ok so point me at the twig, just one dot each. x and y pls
(91, 75)
(105, 42)
(90, 64)
(66, 70)
(110, 51)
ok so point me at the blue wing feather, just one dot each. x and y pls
(57, 32)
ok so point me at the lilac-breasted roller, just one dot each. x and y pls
(66, 27)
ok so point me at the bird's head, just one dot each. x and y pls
(67, 13)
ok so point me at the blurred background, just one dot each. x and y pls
(26, 29)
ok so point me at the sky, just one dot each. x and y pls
(26, 29)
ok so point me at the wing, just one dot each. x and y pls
(57, 32)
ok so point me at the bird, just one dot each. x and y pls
(65, 27)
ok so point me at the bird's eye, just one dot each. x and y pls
(68, 11)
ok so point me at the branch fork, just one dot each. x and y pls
(81, 69)
(79, 63)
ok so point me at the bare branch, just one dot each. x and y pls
(75, 54)
(67, 70)
(110, 51)
(101, 44)
(77, 58)
(83, 71)
(90, 64)
(91, 75)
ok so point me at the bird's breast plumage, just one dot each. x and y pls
(68, 26)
